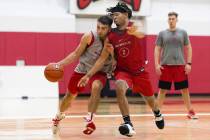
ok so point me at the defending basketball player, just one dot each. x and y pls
(130, 70)
(89, 49)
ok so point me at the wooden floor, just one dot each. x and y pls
(177, 127)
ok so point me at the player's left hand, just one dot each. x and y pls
(83, 81)
(133, 30)
(187, 69)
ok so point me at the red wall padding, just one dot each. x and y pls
(49, 48)
(20, 46)
(42, 48)
(2, 48)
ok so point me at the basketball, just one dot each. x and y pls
(53, 72)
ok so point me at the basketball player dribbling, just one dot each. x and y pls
(88, 51)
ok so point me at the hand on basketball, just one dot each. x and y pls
(187, 69)
(158, 70)
(55, 65)
(53, 72)
(83, 81)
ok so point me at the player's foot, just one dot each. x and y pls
(191, 115)
(90, 126)
(56, 121)
(159, 121)
(127, 130)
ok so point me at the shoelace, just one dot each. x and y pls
(87, 119)
(158, 117)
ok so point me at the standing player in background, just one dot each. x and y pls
(130, 72)
(89, 49)
(170, 63)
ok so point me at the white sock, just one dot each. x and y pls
(59, 115)
(89, 117)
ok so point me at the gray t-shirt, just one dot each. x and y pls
(172, 44)
(90, 56)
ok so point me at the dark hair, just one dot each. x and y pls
(106, 20)
(173, 14)
(120, 7)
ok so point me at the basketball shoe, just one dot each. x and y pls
(56, 121)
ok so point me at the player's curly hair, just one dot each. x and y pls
(120, 7)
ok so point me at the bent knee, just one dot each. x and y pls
(121, 86)
(97, 85)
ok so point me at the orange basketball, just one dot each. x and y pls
(53, 72)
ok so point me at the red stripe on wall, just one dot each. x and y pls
(43, 48)
(2, 48)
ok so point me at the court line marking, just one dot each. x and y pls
(100, 116)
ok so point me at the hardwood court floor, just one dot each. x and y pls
(177, 127)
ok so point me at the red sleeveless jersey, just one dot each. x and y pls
(129, 51)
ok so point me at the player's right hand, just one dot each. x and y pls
(55, 65)
(158, 69)
(83, 81)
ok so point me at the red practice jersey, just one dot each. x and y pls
(129, 51)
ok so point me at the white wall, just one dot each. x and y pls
(193, 16)
(33, 7)
(99, 7)
(18, 81)
(54, 16)
(36, 16)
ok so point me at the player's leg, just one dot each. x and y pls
(97, 82)
(186, 97)
(121, 88)
(122, 84)
(181, 83)
(161, 97)
(67, 100)
(92, 106)
(143, 85)
(64, 105)
(97, 86)
(159, 120)
(164, 84)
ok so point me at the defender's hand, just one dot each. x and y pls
(83, 81)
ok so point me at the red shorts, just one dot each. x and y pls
(72, 85)
(174, 74)
(138, 83)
